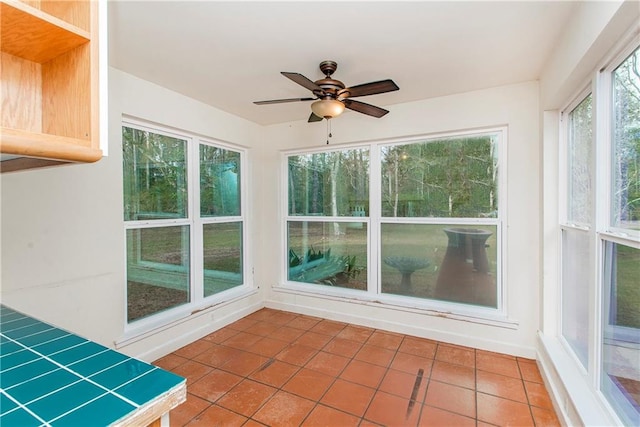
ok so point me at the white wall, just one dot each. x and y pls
(63, 238)
(595, 28)
(63, 248)
(515, 106)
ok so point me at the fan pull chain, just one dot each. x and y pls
(329, 130)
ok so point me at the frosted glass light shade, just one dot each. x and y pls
(327, 108)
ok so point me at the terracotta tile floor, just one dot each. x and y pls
(277, 368)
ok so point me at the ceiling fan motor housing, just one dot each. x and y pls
(328, 67)
(330, 88)
(333, 89)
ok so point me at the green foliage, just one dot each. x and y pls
(329, 271)
(442, 178)
(294, 259)
(311, 255)
(454, 177)
(626, 162)
(579, 159)
(351, 270)
(328, 183)
(219, 181)
(155, 175)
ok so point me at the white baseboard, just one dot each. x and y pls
(171, 339)
(380, 322)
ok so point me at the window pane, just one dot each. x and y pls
(328, 253)
(330, 184)
(579, 163)
(222, 256)
(444, 262)
(621, 336)
(219, 182)
(155, 175)
(454, 177)
(626, 144)
(576, 273)
(157, 270)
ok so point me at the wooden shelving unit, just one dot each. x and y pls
(49, 82)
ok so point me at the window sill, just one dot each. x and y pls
(484, 316)
(146, 328)
(574, 397)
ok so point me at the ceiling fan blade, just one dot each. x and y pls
(314, 118)
(368, 109)
(373, 88)
(302, 81)
(280, 101)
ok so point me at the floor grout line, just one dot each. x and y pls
(414, 402)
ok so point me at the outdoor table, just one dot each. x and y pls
(406, 266)
(469, 243)
(464, 273)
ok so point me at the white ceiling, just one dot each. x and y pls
(228, 54)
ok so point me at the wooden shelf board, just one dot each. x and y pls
(45, 146)
(29, 33)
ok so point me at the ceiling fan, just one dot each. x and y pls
(332, 97)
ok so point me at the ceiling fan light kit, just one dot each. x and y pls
(332, 97)
(327, 108)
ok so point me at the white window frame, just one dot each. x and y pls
(567, 225)
(197, 301)
(600, 230)
(605, 231)
(564, 157)
(484, 315)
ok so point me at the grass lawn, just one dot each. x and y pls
(418, 241)
(628, 287)
(411, 243)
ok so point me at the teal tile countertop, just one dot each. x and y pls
(50, 377)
